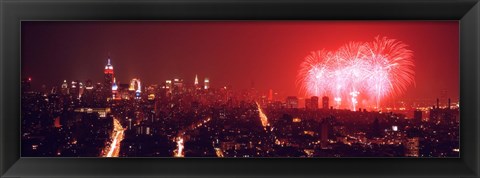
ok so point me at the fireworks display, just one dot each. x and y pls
(364, 72)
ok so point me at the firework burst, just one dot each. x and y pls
(375, 70)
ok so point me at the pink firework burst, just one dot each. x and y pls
(374, 70)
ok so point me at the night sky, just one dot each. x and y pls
(265, 54)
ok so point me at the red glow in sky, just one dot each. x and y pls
(262, 54)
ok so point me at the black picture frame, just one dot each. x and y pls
(12, 12)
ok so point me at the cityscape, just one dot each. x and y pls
(199, 116)
(175, 119)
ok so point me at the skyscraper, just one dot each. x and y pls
(74, 90)
(270, 95)
(178, 84)
(114, 89)
(88, 95)
(417, 115)
(81, 89)
(314, 102)
(168, 86)
(206, 83)
(449, 104)
(308, 103)
(196, 82)
(108, 80)
(325, 102)
(135, 88)
(292, 102)
(64, 89)
(88, 85)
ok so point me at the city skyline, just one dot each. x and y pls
(398, 105)
(168, 61)
(216, 105)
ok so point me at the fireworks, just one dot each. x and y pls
(372, 70)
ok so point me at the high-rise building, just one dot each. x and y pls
(196, 84)
(168, 86)
(206, 83)
(151, 92)
(88, 85)
(270, 95)
(74, 89)
(438, 103)
(123, 91)
(417, 115)
(314, 102)
(99, 95)
(135, 88)
(178, 84)
(108, 80)
(81, 89)
(292, 102)
(325, 102)
(115, 89)
(449, 104)
(88, 94)
(308, 103)
(64, 89)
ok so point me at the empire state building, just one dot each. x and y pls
(108, 81)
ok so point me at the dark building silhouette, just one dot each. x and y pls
(314, 102)
(308, 103)
(325, 102)
(311, 103)
(292, 102)
(417, 115)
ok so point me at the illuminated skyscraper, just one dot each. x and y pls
(81, 89)
(135, 88)
(168, 86)
(114, 89)
(178, 84)
(64, 89)
(108, 80)
(196, 81)
(206, 83)
(74, 90)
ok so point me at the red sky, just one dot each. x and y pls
(236, 53)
